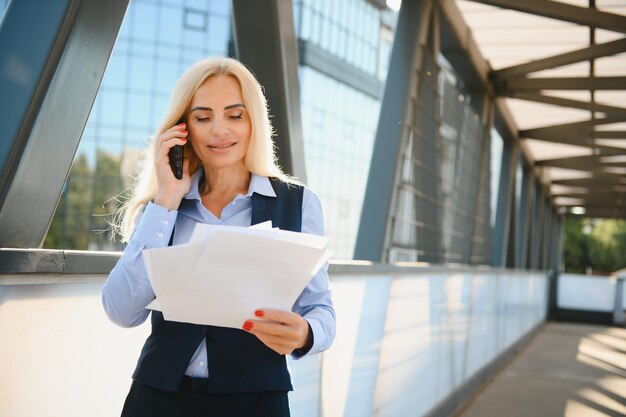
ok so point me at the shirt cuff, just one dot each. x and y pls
(155, 227)
(316, 335)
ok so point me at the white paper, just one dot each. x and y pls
(227, 272)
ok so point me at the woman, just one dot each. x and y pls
(229, 177)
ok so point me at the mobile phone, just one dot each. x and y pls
(176, 156)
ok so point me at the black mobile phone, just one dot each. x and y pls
(176, 156)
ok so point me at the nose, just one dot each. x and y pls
(219, 128)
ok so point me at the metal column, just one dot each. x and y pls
(406, 59)
(265, 42)
(53, 55)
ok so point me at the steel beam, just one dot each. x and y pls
(265, 41)
(54, 55)
(587, 163)
(609, 134)
(511, 86)
(567, 128)
(591, 182)
(557, 10)
(571, 161)
(406, 58)
(565, 102)
(594, 195)
(585, 143)
(537, 227)
(460, 48)
(617, 204)
(584, 54)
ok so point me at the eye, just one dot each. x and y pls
(202, 119)
(236, 116)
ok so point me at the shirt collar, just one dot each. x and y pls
(258, 184)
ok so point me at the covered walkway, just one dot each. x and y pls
(449, 142)
(568, 370)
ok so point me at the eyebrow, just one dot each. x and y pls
(230, 106)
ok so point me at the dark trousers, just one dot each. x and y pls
(193, 401)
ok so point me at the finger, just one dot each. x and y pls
(178, 131)
(180, 126)
(281, 316)
(270, 328)
(276, 344)
(169, 144)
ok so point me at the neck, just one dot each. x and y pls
(226, 180)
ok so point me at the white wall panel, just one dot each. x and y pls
(586, 292)
(404, 344)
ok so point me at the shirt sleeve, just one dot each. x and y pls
(127, 290)
(315, 303)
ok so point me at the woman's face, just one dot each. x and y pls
(219, 124)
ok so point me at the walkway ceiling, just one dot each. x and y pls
(560, 68)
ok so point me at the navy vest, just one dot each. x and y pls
(238, 362)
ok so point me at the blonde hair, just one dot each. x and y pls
(260, 157)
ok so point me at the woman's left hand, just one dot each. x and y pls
(281, 331)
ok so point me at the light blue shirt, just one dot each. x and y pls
(127, 290)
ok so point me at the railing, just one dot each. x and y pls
(592, 298)
(411, 339)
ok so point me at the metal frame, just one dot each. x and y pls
(565, 102)
(506, 195)
(567, 130)
(326, 63)
(584, 54)
(54, 105)
(485, 163)
(566, 12)
(515, 82)
(514, 85)
(265, 41)
(406, 57)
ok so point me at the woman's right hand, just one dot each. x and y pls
(171, 190)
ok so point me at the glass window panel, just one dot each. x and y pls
(337, 164)
(219, 33)
(112, 107)
(145, 21)
(307, 23)
(195, 19)
(141, 73)
(170, 25)
(197, 4)
(166, 74)
(140, 109)
(221, 7)
(117, 72)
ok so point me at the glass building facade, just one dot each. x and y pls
(159, 39)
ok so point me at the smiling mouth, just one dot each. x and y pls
(222, 145)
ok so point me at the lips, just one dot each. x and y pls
(222, 145)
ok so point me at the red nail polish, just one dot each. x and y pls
(259, 313)
(181, 124)
(247, 325)
(184, 132)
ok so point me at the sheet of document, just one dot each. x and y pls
(226, 273)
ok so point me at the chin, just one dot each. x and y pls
(224, 162)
